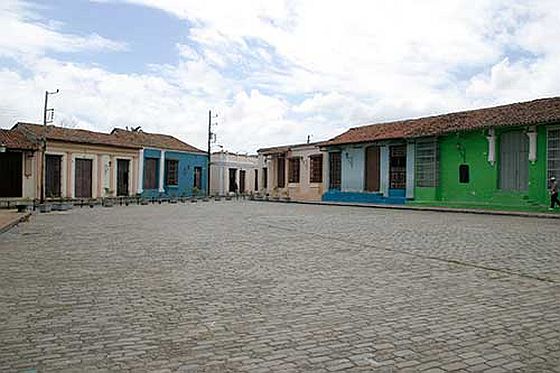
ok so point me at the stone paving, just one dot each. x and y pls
(259, 287)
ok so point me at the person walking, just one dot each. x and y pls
(553, 193)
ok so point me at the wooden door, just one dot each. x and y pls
(241, 181)
(372, 169)
(514, 161)
(53, 175)
(11, 174)
(82, 180)
(123, 169)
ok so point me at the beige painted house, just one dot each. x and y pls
(18, 165)
(294, 171)
(230, 170)
(81, 164)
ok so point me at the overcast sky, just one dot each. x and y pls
(274, 71)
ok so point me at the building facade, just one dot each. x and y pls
(80, 164)
(494, 157)
(18, 165)
(168, 167)
(233, 172)
(294, 171)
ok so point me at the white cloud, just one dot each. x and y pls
(279, 70)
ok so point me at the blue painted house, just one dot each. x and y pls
(371, 164)
(168, 167)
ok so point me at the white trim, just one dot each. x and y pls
(410, 172)
(384, 169)
(532, 134)
(491, 146)
(140, 187)
(161, 171)
(94, 180)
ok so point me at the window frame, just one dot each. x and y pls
(316, 168)
(171, 174)
(552, 171)
(197, 177)
(294, 170)
(335, 172)
(426, 162)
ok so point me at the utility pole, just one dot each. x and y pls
(46, 120)
(211, 138)
(209, 152)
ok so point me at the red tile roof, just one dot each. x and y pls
(36, 131)
(284, 148)
(16, 140)
(546, 110)
(153, 140)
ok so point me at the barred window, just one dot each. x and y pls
(316, 168)
(554, 153)
(171, 171)
(335, 170)
(293, 170)
(426, 162)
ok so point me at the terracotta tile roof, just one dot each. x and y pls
(153, 140)
(546, 110)
(35, 131)
(16, 140)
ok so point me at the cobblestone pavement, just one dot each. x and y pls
(249, 286)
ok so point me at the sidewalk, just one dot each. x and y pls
(541, 215)
(10, 218)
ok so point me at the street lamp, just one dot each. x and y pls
(46, 120)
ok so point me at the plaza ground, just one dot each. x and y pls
(257, 286)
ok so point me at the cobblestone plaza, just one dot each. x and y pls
(259, 287)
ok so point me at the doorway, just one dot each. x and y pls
(82, 180)
(514, 161)
(11, 178)
(232, 180)
(53, 175)
(372, 169)
(123, 169)
(241, 181)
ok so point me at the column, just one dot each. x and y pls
(491, 146)
(384, 170)
(161, 170)
(532, 134)
(410, 147)
(140, 171)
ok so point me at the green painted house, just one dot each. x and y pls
(499, 157)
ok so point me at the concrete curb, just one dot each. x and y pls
(15, 221)
(539, 215)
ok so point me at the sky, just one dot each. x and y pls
(274, 71)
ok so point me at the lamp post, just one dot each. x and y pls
(46, 120)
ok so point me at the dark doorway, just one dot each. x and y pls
(233, 180)
(83, 170)
(397, 167)
(242, 181)
(265, 178)
(514, 161)
(123, 169)
(53, 175)
(256, 180)
(372, 169)
(281, 172)
(11, 174)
